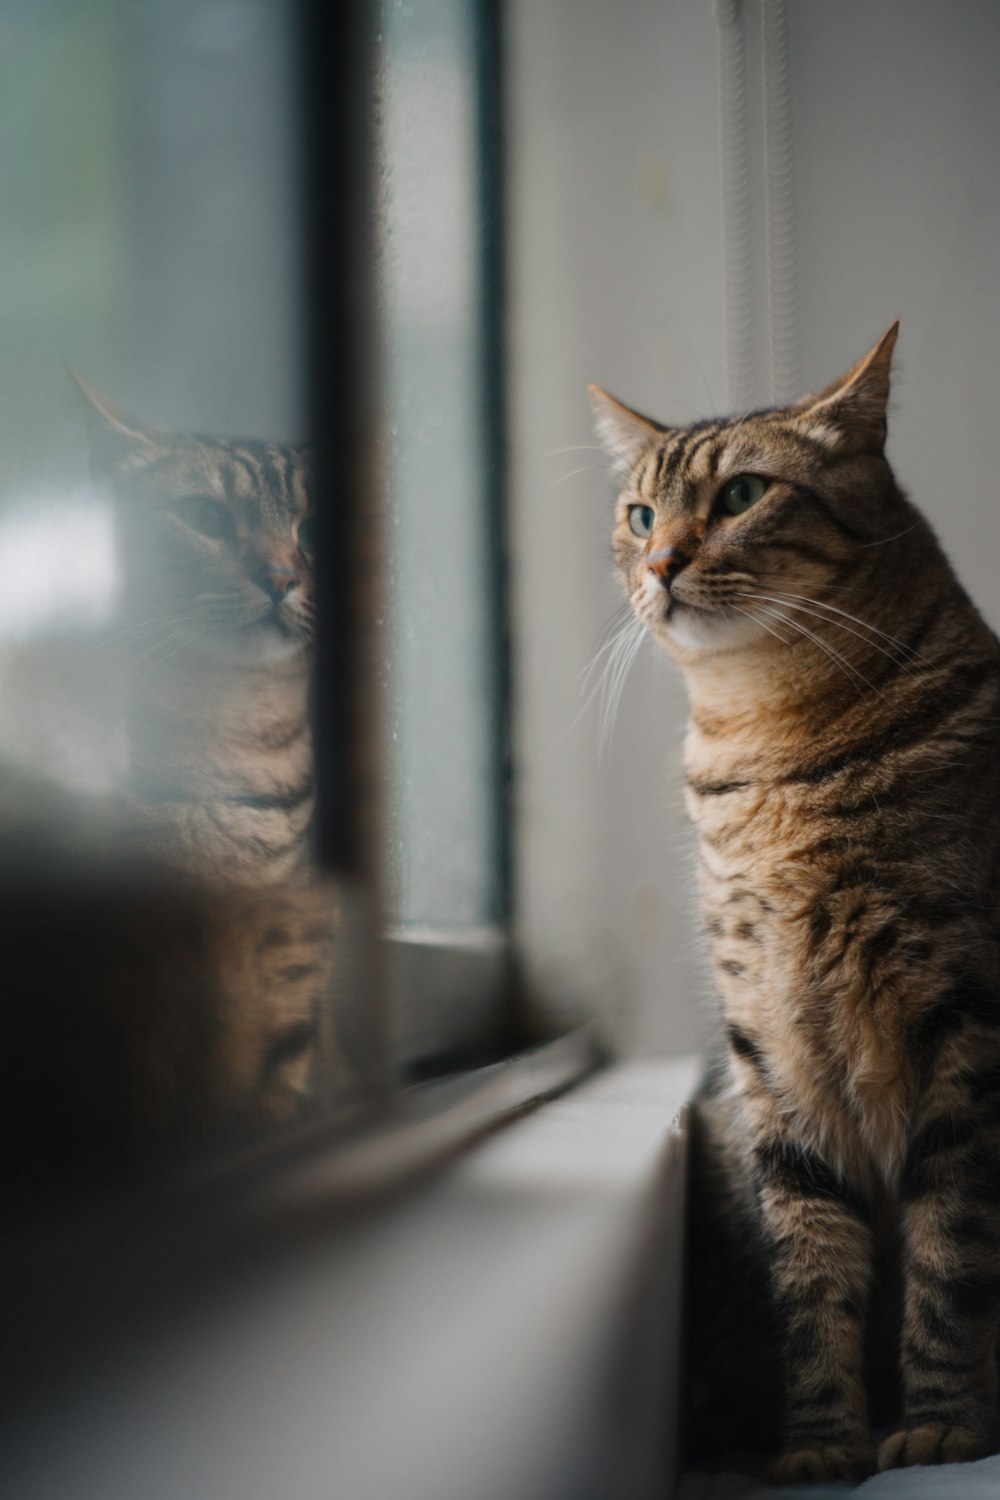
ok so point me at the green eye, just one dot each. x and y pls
(207, 516)
(640, 519)
(306, 535)
(742, 492)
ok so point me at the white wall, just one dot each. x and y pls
(616, 276)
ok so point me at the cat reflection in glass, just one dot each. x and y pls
(209, 949)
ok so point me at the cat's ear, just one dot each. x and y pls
(625, 433)
(855, 405)
(113, 433)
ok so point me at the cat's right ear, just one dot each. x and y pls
(854, 407)
(113, 433)
(626, 434)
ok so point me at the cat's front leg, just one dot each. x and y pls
(951, 1229)
(821, 1265)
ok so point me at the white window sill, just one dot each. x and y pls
(506, 1330)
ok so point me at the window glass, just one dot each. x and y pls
(443, 638)
(187, 973)
(172, 951)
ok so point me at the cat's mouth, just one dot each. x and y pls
(689, 625)
(277, 619)
(676, 609)
(268, 637)
(674, 604)
(277, 624)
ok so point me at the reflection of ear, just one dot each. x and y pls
(625, 433)
(113, 433)
(855, 405)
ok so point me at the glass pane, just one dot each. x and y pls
(172, 948)
(442, 639)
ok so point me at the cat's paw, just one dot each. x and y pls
(933, 1443)
(825, 1461)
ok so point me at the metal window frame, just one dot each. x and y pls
(441, 996)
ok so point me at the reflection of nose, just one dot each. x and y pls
(276, 580)
(666, 563)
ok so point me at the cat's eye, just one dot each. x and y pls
(640, 520)
(737, 495)
(306, 535)
(207, 516)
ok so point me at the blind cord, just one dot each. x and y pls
(734, 155)
(779, 201)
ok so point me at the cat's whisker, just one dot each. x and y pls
(789, 603)
(182, 630)
(594, 676)
(819, 603)
(749, 614)
(586, 469)
(605, 675)
(612, 667)
(881, 542)
(824, 646)
(181, 640)
(575, 448)
(620, 624)
(599, 685)
(93, 663)
(761, 577)
(625, 659)
(158, 646)
(136, 630)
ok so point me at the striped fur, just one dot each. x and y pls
(217, 641)
(215, 648)
(842, 764)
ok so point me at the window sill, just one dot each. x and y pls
(507, 1328)
(444, 993)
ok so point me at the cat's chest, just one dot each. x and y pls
(224, 734)
(747, 826)
(785, 933)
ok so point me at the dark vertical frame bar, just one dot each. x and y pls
(492, 318)
(336, 74)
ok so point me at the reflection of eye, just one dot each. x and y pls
(307, 535)
(740, 493)
(640, 519)
(207, 516)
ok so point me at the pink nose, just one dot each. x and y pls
(276, 580)
(666, 563)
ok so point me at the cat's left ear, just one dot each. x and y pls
(855, 405)
(625, 433)
(112, 431)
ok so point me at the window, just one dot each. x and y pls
(173, 955)
(259, 436)
(439, 282)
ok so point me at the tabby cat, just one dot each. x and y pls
(216, 540)
(843, 768)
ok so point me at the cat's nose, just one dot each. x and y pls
(276, 580)
(666, 562)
